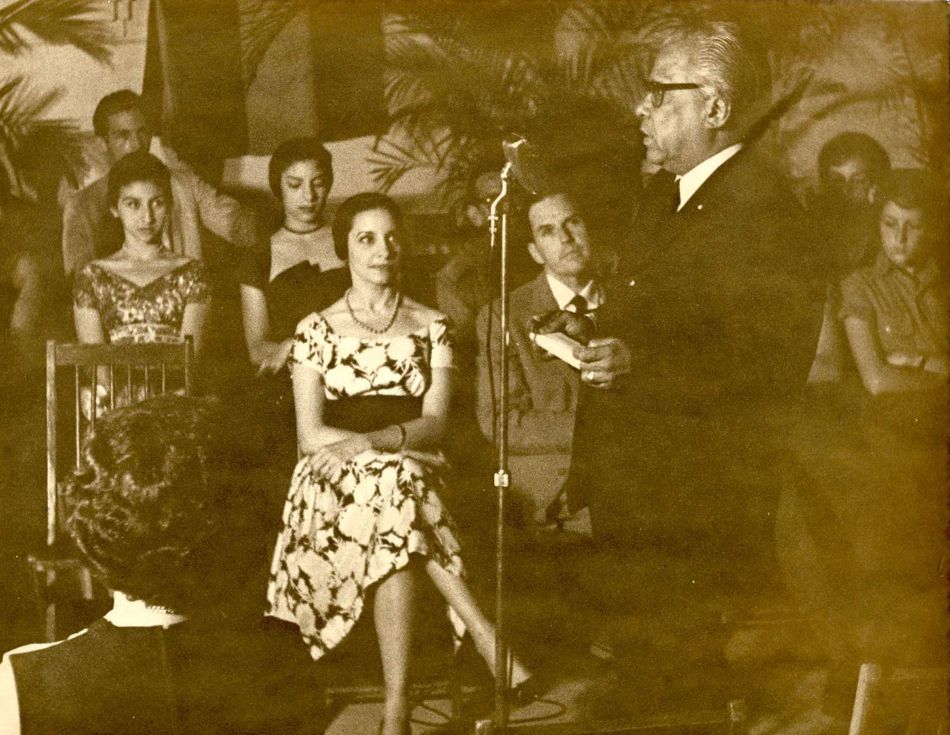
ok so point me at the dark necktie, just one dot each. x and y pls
(667, 191)
(580, 305)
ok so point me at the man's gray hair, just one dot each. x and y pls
(723, 61)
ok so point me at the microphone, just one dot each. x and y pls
(522, 159)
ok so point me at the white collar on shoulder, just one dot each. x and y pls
(697, 175)
(129, 613)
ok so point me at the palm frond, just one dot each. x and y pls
(21, 106)
(36, 144)
(260, 22)
(75, 23)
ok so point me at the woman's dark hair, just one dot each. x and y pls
(134, 167)
(147, 509)
(343, 221)
(293, 151)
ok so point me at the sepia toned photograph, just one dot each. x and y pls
(553, 367)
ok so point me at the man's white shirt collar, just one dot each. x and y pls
(696, 176)
(563, 294)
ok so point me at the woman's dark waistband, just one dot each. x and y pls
(370, 413)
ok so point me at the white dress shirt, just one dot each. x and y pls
(696, 176)
(563, 295)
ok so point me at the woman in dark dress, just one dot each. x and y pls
(295, 273)
(152, 514)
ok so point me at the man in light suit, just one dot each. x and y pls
(543, 389)
(88, 228)
(687, 374)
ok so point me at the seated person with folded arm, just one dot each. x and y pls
(542, 389)
(157, 518)
(895, 309)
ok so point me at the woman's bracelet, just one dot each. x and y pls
(402, 437)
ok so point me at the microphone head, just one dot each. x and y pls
(519, 153)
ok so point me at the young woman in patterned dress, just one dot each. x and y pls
(142, 292)
(372, 378)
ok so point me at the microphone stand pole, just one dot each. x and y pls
(501, 479)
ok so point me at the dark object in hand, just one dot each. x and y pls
(580, 328)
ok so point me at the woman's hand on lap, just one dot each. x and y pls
(329, 460)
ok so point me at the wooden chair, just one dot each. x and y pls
(130, 373)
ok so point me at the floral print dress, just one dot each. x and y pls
(131, 313)
(338, 539)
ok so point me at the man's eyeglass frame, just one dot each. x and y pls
(657, 90)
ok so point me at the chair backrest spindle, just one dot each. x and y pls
(138, 360)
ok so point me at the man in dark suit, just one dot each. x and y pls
(542, 389)
(687, 375)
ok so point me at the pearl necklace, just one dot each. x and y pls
(364, 325)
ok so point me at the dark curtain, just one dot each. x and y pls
(194, 77)
(348, 59)
(193, 80)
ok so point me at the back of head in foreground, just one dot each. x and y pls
(157, 517)
(146, 512)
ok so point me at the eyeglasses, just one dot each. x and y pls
(657, 90)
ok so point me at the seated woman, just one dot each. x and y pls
(297, 272)
(372, 377)
(294, 274)
(142, 292)
(150, 516)
(895, 310)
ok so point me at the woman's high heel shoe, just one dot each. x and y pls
(528, 691)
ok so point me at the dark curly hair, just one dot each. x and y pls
(138, 166)
(293, 151)
(364, 202)
(145, 510)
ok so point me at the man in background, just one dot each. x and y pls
(89, 231)
(851, 169)
(542, 389)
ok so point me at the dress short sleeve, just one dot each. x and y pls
(310, 340)
(856, 298)
(194, 284)
(84, 289)
(254, 265)
(442, 338)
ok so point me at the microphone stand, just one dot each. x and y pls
(501, 478)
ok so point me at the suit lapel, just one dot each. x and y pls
(656, 232)
(541, 297)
